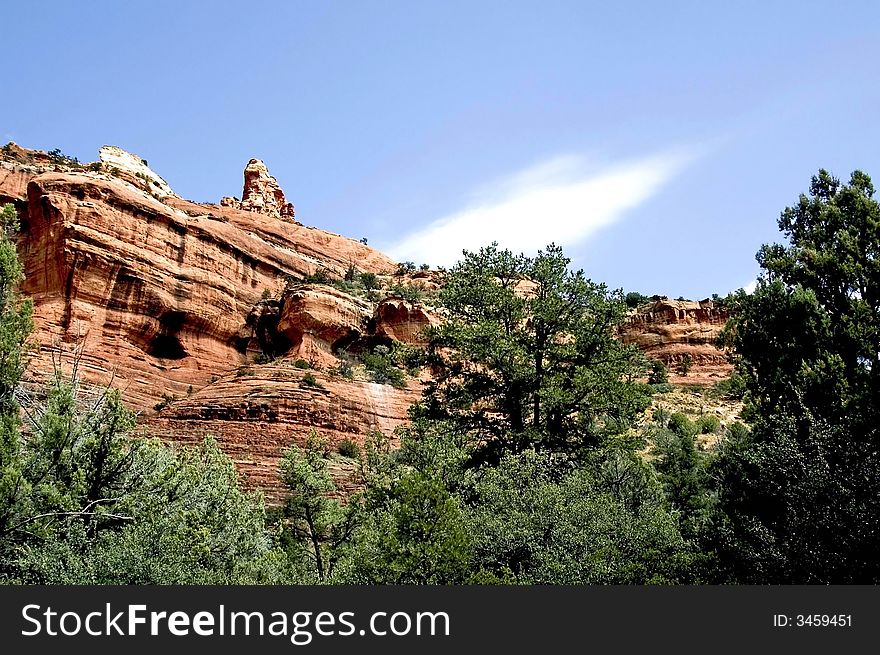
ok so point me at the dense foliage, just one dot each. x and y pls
(800, 492)
(527, 357)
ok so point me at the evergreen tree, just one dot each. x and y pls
(16, 324)
(320, 526)
(528, 357)
(799, 495)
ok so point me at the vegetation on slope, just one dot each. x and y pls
(533, 457)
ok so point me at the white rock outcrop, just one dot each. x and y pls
(114, 157)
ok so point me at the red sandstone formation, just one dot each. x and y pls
(319, 319)
(671, 330)
(257, 412)
(170, 299)
(398, 320)
(155, 291)
(262, 194)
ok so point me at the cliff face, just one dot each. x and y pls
(156, 291)
(171, 301)
(258, 411)
(673, 330)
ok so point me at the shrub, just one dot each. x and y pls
(708, 424)
(309, 380)
(58, 157)
(633, 299)
(659, 373)
(682, 425)
(369, 281)
(736, 431)
(320, 276)
(243, 371)
(301, 363)
(351, 272)
(733, 387)
(167, 399)
(408, 292)
(346, 370)
(661, 416)
(349, 448)
(262, 358)
(409, 357)
(382, 369)
(684, 365)
(424, 267)
(405, 267)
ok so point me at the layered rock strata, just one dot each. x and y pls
(259, 411)
(155, 293)
(673, 330)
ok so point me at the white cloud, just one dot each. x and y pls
(751, 286)
(560, 200)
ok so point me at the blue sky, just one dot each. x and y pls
(656, 142)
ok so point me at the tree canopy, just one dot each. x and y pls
(528, 357)
(799, 495)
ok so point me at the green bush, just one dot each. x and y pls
(684, 365)
(346, 370)
(244, 371)
(736, 432)
(634, 299)
(409, 357)
(167, 399)
(659, 374)
(58, 157)
(309, 380)
(661, 416)
(733, 387)
(320, 276)
(708, 424)
(682, 425)
(382, 369)
(349, 448)
(301, 363)
(408, 292)
(369, 281)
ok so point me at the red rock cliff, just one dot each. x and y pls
(170, 299)
(671, 330)
(156, 290)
